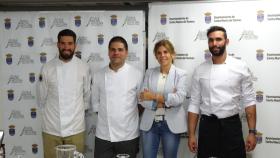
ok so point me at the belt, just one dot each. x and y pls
(214, 117)
(159, 118)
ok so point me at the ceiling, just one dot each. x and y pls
(74, 4)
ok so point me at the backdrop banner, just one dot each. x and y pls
(253, 29)
(28, 40)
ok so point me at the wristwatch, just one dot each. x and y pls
(253, 131)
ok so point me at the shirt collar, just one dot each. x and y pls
(60, 62)
(228, 58)
(119, 70)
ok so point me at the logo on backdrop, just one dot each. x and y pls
(273, 56)
(40, 77)
(9, 59)
(26, 95)
(259, 54)
(16, 114)
(33, 112)
(78, 21)
(8, 23)
(43, 57)
(12, 130)
(160, 36)
(30, 41)
(95, 57)
(13, 43)
(259, 137)
(163, 19)
(10, 94)
(34, 148)
(58, 22)
(82, 40)
(273, 17)
(25, 59)
(130, 20)
(25, 24)
(201, 35)
(248, 35)
(27, 131)
(78, 54)
(42, 22)
(272, 140)
(272, 98)
(94, 21)
(114, 20)
(227, 18)
(233, 55)
(184, 56)
(48, 42)
(14, 79)
(32, 77)
(207, 54)
(91, 130)
(88, 149)
(132, 57)
(135, 38)
(100, 39)
(17, 151)
(259, 96)
(207, 17)
(260, 15)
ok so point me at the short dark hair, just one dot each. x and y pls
(118, 39)
(217, 28)
(66, 32)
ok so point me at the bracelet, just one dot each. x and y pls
(253, 131)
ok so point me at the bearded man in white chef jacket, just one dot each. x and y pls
(64, 95)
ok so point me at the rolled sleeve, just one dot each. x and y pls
(248, 92)
(195, 99)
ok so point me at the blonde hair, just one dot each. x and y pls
(167, 44)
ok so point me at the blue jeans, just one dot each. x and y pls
(151, 140)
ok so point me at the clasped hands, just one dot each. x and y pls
(147, 95)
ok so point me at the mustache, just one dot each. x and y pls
(69, 50)
(216, 47)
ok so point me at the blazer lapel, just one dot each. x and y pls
(169, 83)
(154, 79)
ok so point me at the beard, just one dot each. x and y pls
(219, 52)
(66, 56)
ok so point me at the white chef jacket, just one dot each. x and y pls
(220, 89)
(114, 97)
(64, 95)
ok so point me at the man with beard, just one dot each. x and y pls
(64, 95)
(219, 86)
